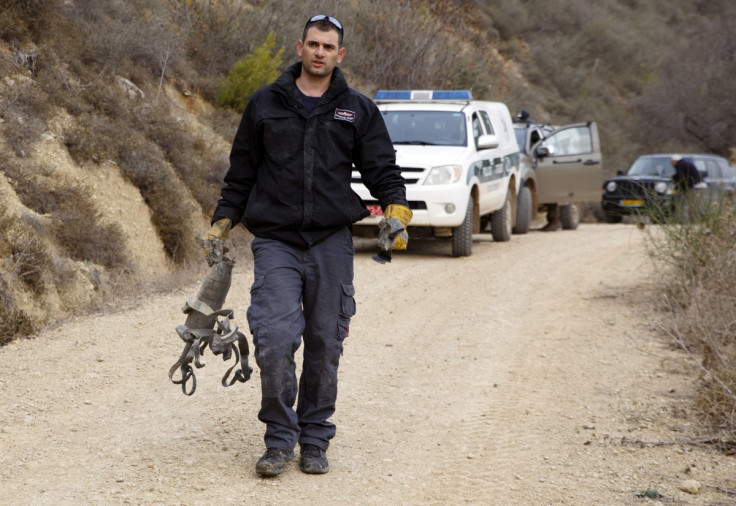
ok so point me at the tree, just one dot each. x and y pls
(252, 72)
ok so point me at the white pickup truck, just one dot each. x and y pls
(460, 160)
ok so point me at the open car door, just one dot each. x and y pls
(568, 165)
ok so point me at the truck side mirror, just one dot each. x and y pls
(488, 142)
(543, 151)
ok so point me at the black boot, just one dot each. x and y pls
(272, 462)
(314, 460)
(553, 225)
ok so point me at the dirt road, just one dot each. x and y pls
(514, 376)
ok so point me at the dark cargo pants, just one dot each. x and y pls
(295, 293)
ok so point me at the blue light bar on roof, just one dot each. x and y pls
(393, 95)
(452, 95)
(423, 95)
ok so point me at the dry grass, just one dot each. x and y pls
(76, 226)
(24, 266)
(698, 262)
(12, 321)
(164, 192)
(25, 110)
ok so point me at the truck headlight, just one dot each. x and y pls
(444, 174)
(611, 186)
(660, 187)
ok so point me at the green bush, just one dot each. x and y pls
(252, 72)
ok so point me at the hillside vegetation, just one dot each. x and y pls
(656, 75)
(116, 116)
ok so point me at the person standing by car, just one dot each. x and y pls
(553, 219)
(686, 177)
(289, 184)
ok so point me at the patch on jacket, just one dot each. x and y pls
(345, 115)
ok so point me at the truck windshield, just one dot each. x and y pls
(435, 128)
(652, 166)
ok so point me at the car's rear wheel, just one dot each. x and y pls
(523, 211)
(462, 236)
(570, 217)
(501, 221)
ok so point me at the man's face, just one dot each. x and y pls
(320, 52)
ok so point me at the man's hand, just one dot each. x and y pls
(389, 233)
(213, 242)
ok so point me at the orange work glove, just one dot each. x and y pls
(395, 241)
(213, 242)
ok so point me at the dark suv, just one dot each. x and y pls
(647, 187)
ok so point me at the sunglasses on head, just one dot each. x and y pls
(320, 17)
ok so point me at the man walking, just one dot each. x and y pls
(289, 184)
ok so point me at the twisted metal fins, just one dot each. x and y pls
(208, 325)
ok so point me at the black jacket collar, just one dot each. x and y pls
(286, 84)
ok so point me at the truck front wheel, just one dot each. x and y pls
(462, 236)
(501, 221)
(523, 211)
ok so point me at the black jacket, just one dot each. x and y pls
(686, 175)
(289, 176)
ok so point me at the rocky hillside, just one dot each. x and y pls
(113, 144)
(77, 233)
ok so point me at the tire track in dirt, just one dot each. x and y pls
(490, 358)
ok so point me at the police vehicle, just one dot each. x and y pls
(460, 161)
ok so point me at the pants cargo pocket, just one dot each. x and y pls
(347, 310)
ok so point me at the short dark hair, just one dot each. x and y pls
(325, 24)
